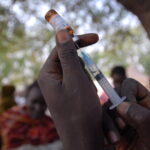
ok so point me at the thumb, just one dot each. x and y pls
(134, 114)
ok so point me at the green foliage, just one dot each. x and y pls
(122, 47)
(145, 61)
(24, 47)
(21, 48)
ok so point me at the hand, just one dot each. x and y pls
(70, 96)
(137, 115)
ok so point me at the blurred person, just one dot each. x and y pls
(28, 126)
(7, 99)
(118, 75)
(74, 103)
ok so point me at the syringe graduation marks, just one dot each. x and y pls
(98, 75)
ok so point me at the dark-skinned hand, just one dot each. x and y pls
(134, 120)
(70, 96)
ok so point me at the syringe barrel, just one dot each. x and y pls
(98, 75)
(109, 90)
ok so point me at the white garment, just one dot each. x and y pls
(56, 145)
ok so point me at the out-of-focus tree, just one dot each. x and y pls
(120, 50)
(141, 9)
(20, 48)
(145, 61)
(26, 38)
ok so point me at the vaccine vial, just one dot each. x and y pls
(58, 23)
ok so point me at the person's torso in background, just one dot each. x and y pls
(18, 129)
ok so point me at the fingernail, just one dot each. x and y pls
(63, 36)
(113, 137)
(123, 108)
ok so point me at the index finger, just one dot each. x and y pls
(87, 39)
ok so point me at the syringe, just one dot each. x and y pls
(98, 75)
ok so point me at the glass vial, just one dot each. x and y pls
(58, 23)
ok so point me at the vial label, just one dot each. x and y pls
(58, 23)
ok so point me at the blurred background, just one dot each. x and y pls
(26, 39)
